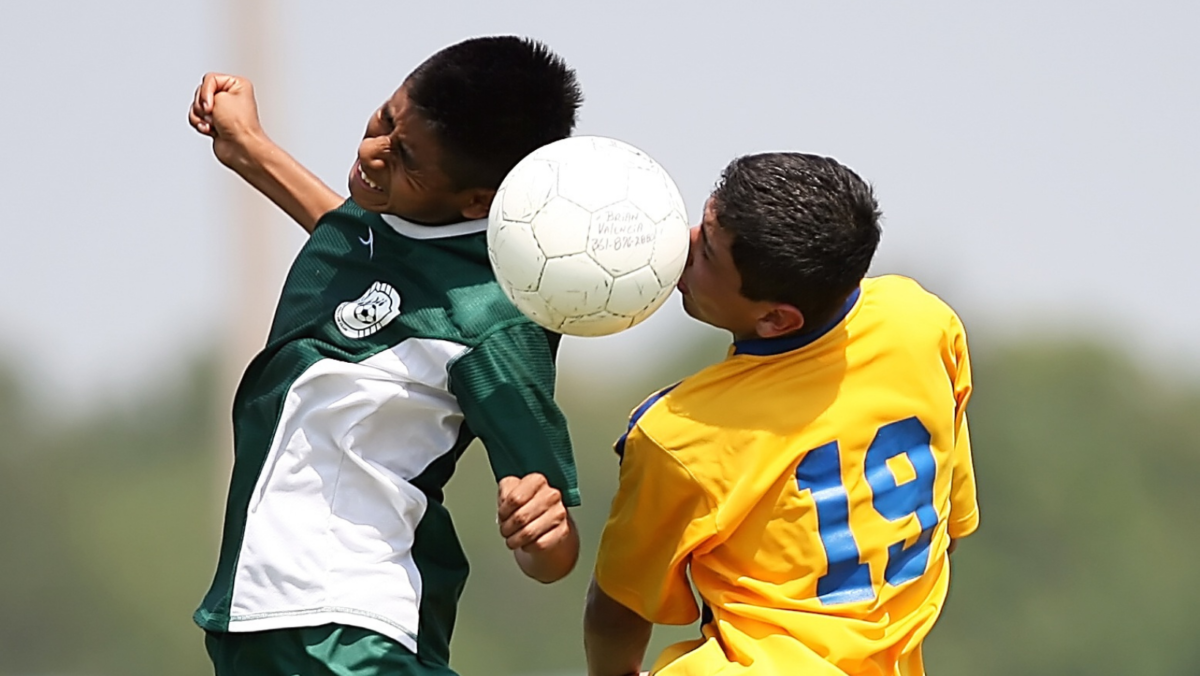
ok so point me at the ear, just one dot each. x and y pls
(779, 320)
(477, 203)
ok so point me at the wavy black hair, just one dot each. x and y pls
(804, 229)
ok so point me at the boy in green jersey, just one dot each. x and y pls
(392, 347)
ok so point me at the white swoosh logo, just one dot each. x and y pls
(370, 242)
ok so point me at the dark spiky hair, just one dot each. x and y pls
(491, 101)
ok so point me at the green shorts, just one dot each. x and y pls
(327, 650)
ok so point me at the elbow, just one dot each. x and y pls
(604, 614)
(591, 604)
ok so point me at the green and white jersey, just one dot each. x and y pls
(391, 349)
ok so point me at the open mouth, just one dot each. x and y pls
(362, 175)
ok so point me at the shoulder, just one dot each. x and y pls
(348, 212)
(512, 350)
(898, 288)
(453, 270)
(645, 451)
(486, 318)
(899, 296)
(901, 318)
(690, 422)
(507, 330)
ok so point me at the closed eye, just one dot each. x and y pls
(402, 153)
(705, 248)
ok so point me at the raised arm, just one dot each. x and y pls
(224, 109)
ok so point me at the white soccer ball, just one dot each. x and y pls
(588, 236)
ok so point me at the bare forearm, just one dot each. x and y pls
(553, 563)
(614, 637)
(284, 181)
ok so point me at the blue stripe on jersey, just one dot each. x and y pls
(762, 347)
(619, 447)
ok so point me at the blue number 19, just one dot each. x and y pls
(848, 579)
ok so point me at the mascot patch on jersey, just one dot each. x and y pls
(370, 313)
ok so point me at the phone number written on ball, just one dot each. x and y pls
(619, 242)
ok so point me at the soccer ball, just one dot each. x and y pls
(587, 236)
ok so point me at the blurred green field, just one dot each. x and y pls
(1084, 562)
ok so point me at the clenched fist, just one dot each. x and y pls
(224, 108)
(535, 524)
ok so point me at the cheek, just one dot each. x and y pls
(714, 290)
(400, 185)
(702, 284)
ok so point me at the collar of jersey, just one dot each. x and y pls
(762, 347)
(414, 231)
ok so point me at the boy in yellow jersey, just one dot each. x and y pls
(813, 483)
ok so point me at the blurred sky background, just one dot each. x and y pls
(1034, 160)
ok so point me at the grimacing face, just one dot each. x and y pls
(399, 170)
(711, 284)
(712, 288)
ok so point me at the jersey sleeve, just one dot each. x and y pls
(660, 515)
(505, 387)
(964, 507)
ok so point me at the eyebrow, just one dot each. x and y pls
(400, 148)
(404, 153)
(704, 240)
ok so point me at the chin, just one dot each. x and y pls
(693, 312)
(366, 202)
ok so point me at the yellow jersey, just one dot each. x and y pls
(810, 485)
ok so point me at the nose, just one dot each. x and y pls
(693, 242)
(372, 152)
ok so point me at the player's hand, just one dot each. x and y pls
(531, 513)
(225, 109)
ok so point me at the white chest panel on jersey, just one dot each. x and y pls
(330, 526)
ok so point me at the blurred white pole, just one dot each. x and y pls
(255, 274)
(254, 237)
